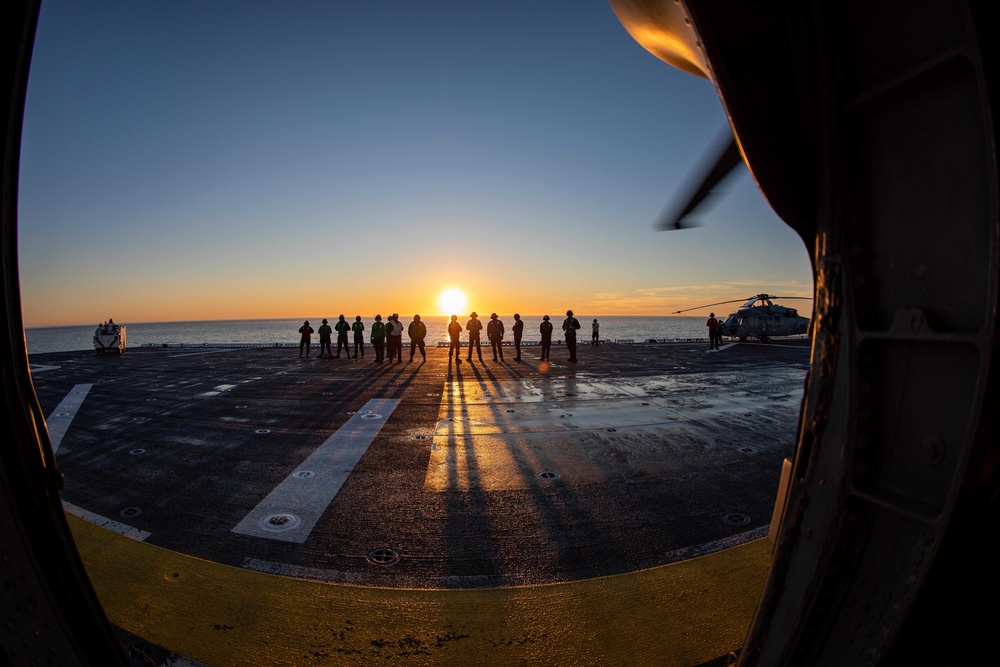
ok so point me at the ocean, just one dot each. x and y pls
(285, 332)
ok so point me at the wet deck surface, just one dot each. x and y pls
(485, 475)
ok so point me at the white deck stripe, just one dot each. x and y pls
(292, 509)
(194, 354)
(105, 522)
(63, 415)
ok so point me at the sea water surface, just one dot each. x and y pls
(271, 332)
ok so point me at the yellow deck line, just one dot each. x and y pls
(681, 614)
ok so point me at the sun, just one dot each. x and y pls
(453, 301)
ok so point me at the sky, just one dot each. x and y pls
(191, 160)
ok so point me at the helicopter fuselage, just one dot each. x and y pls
(763, 322)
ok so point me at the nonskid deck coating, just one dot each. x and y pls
(658, 451)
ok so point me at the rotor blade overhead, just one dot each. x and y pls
(707, 305)
(724, 162)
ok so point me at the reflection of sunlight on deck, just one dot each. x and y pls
(493, 436)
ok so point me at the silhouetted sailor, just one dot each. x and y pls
(325, 336)
(306, 340)
(342, 327)
(417, 331)
(518, 329)
(570, 325)
(595, 333)
(395, 338)
(545, 328)
(359, 336)
(713, 332)
(455, 334)
(474, 326)
(378, 338)
(494, 331)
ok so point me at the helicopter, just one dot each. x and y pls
(759, 318)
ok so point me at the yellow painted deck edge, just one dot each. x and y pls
(680, 615)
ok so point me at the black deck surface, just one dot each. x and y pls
(636, 456)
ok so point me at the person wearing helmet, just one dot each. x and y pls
(394, 329)
(325, 335)
(595, 333)
(518, 329)
(306, 339)
(474, 326)
(378, 338)
(342, 327)
(570, 325)
(494, 332)
(545, 328)
(713, 332)
(455, 334)
(358, 328)
(417, 331)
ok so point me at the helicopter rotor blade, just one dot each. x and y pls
(725, 161)
(707, 305)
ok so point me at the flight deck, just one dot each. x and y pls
(426, 475)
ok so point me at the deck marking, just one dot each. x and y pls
(38, 368)
(193, 354)
(63, 415)
(291, 510)
(105, 522)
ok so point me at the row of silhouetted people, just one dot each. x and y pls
(387, 337)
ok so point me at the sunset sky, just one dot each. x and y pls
(191, 160)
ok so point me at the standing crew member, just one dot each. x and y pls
(325, 332)
(518, 329)
(570, 325)
(359, 337)
(417, 331)
(474, 326)
(306, 340)
(342, 327)
(395, 338)
(494, 331)
(713, 332)
(378, 338)
(545, 328)
(455, 333)
(595, 336)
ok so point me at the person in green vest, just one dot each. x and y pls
(325, 334)
(474, 326)
(570, 325)
(359, 337)
(342, 328)
(378, 339)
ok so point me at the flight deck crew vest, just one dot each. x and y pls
(378, 331)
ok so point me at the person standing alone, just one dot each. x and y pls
(595, 336)
(395, 338)
(713, 332)
(455, 334)
(325, 333)
(570, 325)
(417, 331)
(494, 331)
(306, 341)
(359, 336)
(518, 329)
(545, 328)
(474, 326)
(378, 339)
(342, 327)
